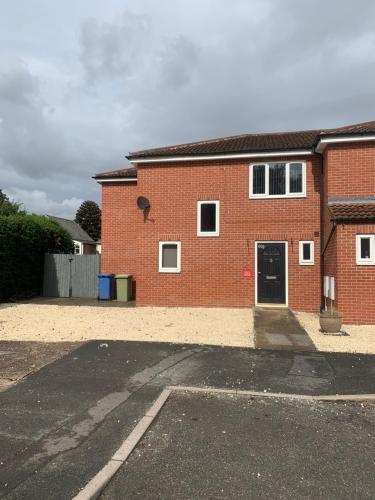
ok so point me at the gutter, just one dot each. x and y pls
(324, 141)
(230, 156)
(101, 180)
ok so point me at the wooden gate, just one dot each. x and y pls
(71, 275)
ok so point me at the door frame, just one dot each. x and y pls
(286, 270)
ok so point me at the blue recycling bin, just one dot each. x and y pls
(105, 286)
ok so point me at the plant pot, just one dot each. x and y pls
(330, 322)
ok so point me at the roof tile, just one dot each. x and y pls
(353, 211)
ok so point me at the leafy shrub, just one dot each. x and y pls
(24, 239)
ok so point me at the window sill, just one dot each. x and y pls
(371, 263)
(169, 271)
(208, 235)
(306, 264)
(276, 196)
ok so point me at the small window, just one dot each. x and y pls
(208, 218)
(306, 253)
(169, 256)
(365, 249)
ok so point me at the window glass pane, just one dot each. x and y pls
(295, 178)
(277, 178)
(306, 251)
(169, 255)
(208, 217)
(365, 248)
(259, 179)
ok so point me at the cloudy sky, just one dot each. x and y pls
(82, 82)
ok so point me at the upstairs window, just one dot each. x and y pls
(306, 253)
(169, 256)
(278, 180)
(365, 249)
(208, 218)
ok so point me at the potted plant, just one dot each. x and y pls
(330, 320)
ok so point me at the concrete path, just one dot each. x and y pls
(279, 329)
(62, 424)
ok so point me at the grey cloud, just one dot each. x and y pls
(28, 143)
(113, 49)
(164, 72)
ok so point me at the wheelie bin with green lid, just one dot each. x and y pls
(123, 287)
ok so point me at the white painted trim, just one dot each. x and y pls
(287, 181)
(359, 260)
(323, 143)
(100, 180)
(206, 234)
(286, 270)
(309, 262)
(170, 269)
(234, 156)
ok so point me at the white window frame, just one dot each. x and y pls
(302, 261)
(169, 269)
(78, 246)
(371, 260)
(287, 181)
(199, 207)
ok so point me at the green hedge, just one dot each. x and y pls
(24, 239)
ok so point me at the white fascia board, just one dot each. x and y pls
(163, 159)
(323, 143)
(100, 180)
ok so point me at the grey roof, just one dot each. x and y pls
(255, 143)
(129, 172)
(74, 229)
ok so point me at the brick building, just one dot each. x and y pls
(283, 218)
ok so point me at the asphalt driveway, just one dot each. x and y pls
(60, 425)
(205, 446)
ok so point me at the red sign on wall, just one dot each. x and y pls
(247, 273)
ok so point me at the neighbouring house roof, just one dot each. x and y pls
(352, 209)
(74, 229)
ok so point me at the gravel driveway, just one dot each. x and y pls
(53, 323)
(46, 322)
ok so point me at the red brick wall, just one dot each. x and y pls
(350, 172)
(355, 283)
(210, 267)
(350, 169)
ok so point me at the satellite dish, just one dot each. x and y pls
(143, 203)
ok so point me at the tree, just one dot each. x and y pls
(88, 216)
(24, 239)
(9, 207)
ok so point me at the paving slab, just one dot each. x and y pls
(218, 446)
(278, 328)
